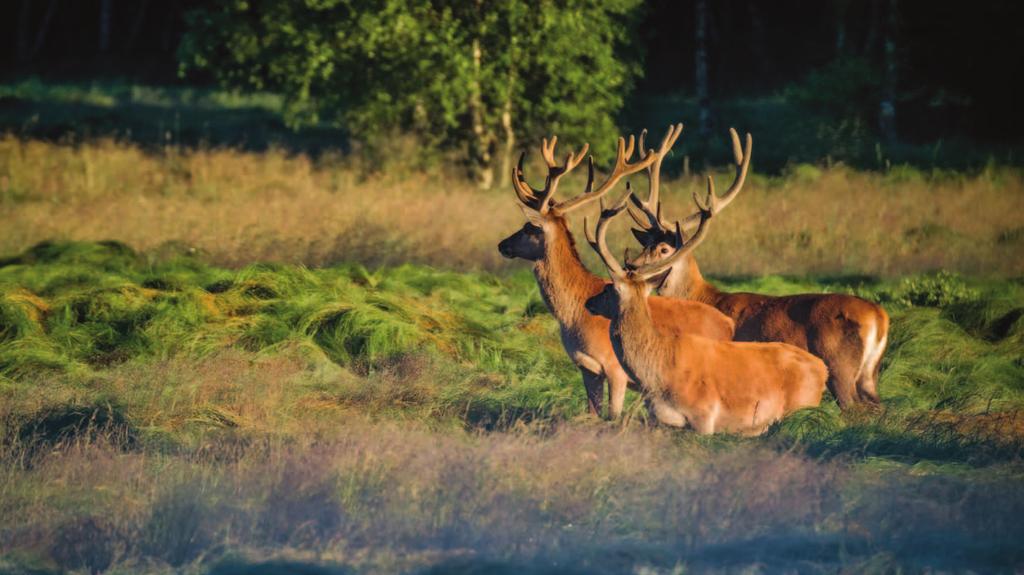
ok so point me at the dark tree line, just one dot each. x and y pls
(920, 68)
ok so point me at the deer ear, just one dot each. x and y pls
(532, 215)
(644, 237)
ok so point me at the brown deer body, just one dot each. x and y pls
(847, 332)
(711, 386)
(566, 284)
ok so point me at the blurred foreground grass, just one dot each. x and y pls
(162, 414)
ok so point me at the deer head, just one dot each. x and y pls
(631, 285)
(659, 239)
(543, 213)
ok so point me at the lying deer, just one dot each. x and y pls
(847, 332)
(711, 386)
(566, 284)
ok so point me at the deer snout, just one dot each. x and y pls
(505, 249)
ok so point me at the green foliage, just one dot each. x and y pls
(410, 65)
(939, 290)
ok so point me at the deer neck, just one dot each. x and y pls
(636, 340)
(685, 281)
(565, 283)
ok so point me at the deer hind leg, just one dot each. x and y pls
(666, 414)
(617, 383)
(843, 362)
(593, 383)
(867, 381)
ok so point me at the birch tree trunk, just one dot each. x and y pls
(510, 134)
(480, 147)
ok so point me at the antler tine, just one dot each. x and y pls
(590, 175)
(524, 191)
(540, 199)
(622, 168)
(651, 207)
(706, 212)
(600, 243)
(741, 157)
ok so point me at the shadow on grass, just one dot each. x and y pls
(978, 440)
(277, 568)
(70, 423)
(155, 127)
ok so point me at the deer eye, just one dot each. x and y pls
(664, 250)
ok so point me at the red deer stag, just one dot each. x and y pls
(847, 332)
(566, 284)
(712, 386)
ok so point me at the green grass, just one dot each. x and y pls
(165, 414)
(73, 313)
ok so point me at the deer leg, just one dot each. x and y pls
(593, 383)
(867, 382)
(668, 415)
(841, 348)
(617, 383)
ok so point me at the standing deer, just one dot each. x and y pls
(712, 386)
(566, 284)
(847, 332)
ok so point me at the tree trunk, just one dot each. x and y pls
(701, 80)
(887, 106)
(44, 27)
(140, 19)
(480, 147)
(106, 12)
(872, 34)
(510, 134)
(758, 43)
(21, 47)
(842, 8)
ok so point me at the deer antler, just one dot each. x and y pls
(599, 241)
(704, 212)
(650, 216)
(540, 200)
(741, 157)
(622, 168)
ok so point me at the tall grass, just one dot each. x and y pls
(238, 208)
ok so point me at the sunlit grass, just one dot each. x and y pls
(238, 207)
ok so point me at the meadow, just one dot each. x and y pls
(230, 361)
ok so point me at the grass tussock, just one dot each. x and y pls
(241, 207)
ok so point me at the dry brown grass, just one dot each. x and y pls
(242, 207)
